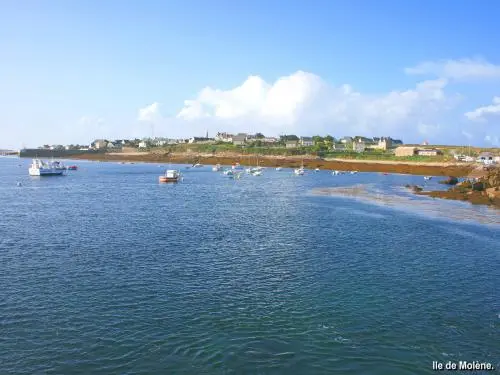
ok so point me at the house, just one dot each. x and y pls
(197, 139)
(143, 144)
(363, 139)
(112, 145)
(359, 146)
(100, 144)
(339, 147)
(345, 140)
(428, 152)
(402, 151)
(224, 137)
(306, 141)
(384, 143)
(269, 140)
(239, 139)
(485, 157)
(291, 143)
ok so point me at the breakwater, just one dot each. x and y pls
(45, 153)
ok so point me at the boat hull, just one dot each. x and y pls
(45, 172)
(164, 179)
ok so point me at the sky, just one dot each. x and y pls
(74, 71)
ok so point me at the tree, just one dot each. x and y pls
(317, 139)
(259, 135)
(329, 139)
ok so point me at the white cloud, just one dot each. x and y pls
(304, 103)
(150, 113)
(462, 69)
(482, 113)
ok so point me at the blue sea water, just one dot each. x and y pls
(105, 271)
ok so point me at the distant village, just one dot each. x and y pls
(318, 144)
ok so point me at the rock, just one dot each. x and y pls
(478, 186)
(450, 181)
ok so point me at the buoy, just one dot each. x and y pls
(19, 184)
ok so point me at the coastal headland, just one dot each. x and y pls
(311, 162)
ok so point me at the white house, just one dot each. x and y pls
(224, 137)
(359, 146)
(306, 141)
(143, 144)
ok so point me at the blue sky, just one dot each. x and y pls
(71, 71)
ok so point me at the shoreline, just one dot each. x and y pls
(386, 166)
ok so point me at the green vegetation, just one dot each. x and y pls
(318, 150)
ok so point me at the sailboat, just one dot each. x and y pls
(299, 171)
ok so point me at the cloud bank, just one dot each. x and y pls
(304, 104)
(485, 112)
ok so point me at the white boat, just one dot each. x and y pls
(278, 168)
(299, 171)
(257, 173)
(316, 170)
(217, 168)
(43, 168)
(427, 178)
(336, 173)
(228, 172)
(197, 165)
(171, 175)
(354, 172)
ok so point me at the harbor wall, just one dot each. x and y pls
(44, 153)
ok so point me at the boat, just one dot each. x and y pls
(228, 172)
(316, 170)
(197, 165)
(217, 168)
(354, 172)
(336, 173)
(171, 175)
(39, 167)
(72, 168)
(299, 171)
(257, 173)
(427, 178)
(278, 168)
(237, 167)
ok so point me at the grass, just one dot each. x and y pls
(309, 151)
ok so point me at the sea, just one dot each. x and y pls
(106, 271)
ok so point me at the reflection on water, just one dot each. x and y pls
(404, 200)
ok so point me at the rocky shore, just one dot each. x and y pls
(484, 190)
(403, 167)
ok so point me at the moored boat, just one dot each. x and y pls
(171, 175)
(216, 168)
(427, 178)
(72, 168)
(39, 167)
